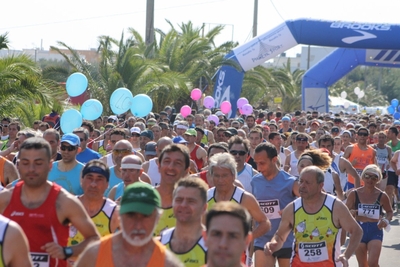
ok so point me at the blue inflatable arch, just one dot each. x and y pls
(334, 66)
(351, 35)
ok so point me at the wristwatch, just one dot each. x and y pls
(68, 252)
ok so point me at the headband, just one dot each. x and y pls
(96, 169)
(131, 166)
(180, 126)
(306, 157)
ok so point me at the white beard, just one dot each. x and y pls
(137, 242)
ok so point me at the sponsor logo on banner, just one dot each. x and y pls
(315, 99)
(360, 26)
(265, 47)
(364, 36)
(227, 87)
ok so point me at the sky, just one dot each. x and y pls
(79, 23)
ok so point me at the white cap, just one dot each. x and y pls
(136, 130)
(219, 113)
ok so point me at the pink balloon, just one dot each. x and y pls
(213, 118)
(185, 110)
(226, 107)
(209, 102)
(247, 109)
(195, 94)
(241, 102)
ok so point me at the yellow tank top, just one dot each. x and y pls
(167, 220)
(317, 239)
(194, 257)
(102, 220)
(236, 196)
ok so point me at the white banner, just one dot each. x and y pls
(315, 99)
(265, 47)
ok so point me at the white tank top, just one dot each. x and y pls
(282, 157)
(245, 177)
(293, 164)
(153, 172)
(342, 175)
(329, 185)
(110, 162)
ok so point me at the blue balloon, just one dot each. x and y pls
(121, 101)
(398, 108)
(390, 109)
(394, 103)
(396, 115)
(91, 109)
(76, 84)
(70, 120)
(141, 105)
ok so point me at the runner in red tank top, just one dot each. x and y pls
(43, 209)
(197, 153)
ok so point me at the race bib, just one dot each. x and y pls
(369, 210)
(40, 259)
(359, 171)
(270, 208)
(313, 252)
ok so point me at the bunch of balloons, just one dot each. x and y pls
(394, 108)
(121, 101)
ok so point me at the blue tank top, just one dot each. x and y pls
(70, 180)
(273, 196)
(114, 180)
(120, 190)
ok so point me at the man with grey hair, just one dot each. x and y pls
(317, 220)
(121, 149)
(131, 172)
(86, 153)
(223, 171)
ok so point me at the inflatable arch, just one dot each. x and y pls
(334, 66)
(228, 84)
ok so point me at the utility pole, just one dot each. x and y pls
(149, 22)
(255, 18)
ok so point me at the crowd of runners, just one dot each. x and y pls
(266, 189)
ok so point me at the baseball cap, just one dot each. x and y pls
(219, 113)
(315, 122)
(135, 130)
(396, 122)
(141, 198)
(198, 129)
(335, 129)
(147, 133)
(240, 120)
(150, 149)
(151, 122)
(71, 139)
(191, 132)
(179, 140)
(285, 118)
(231, 131)
(112, 117)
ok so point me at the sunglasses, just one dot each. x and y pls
(302, 139)
(81, 139)
(135, 135)
(121, 152)
(304, 124)
(4, 125)
(373, 177)
(240, 152)
(69, 148)
(362, 134)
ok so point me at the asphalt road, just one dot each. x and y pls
(390, 254)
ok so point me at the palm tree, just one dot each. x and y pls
(4, 41)
(21, 85)
(287, 84)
